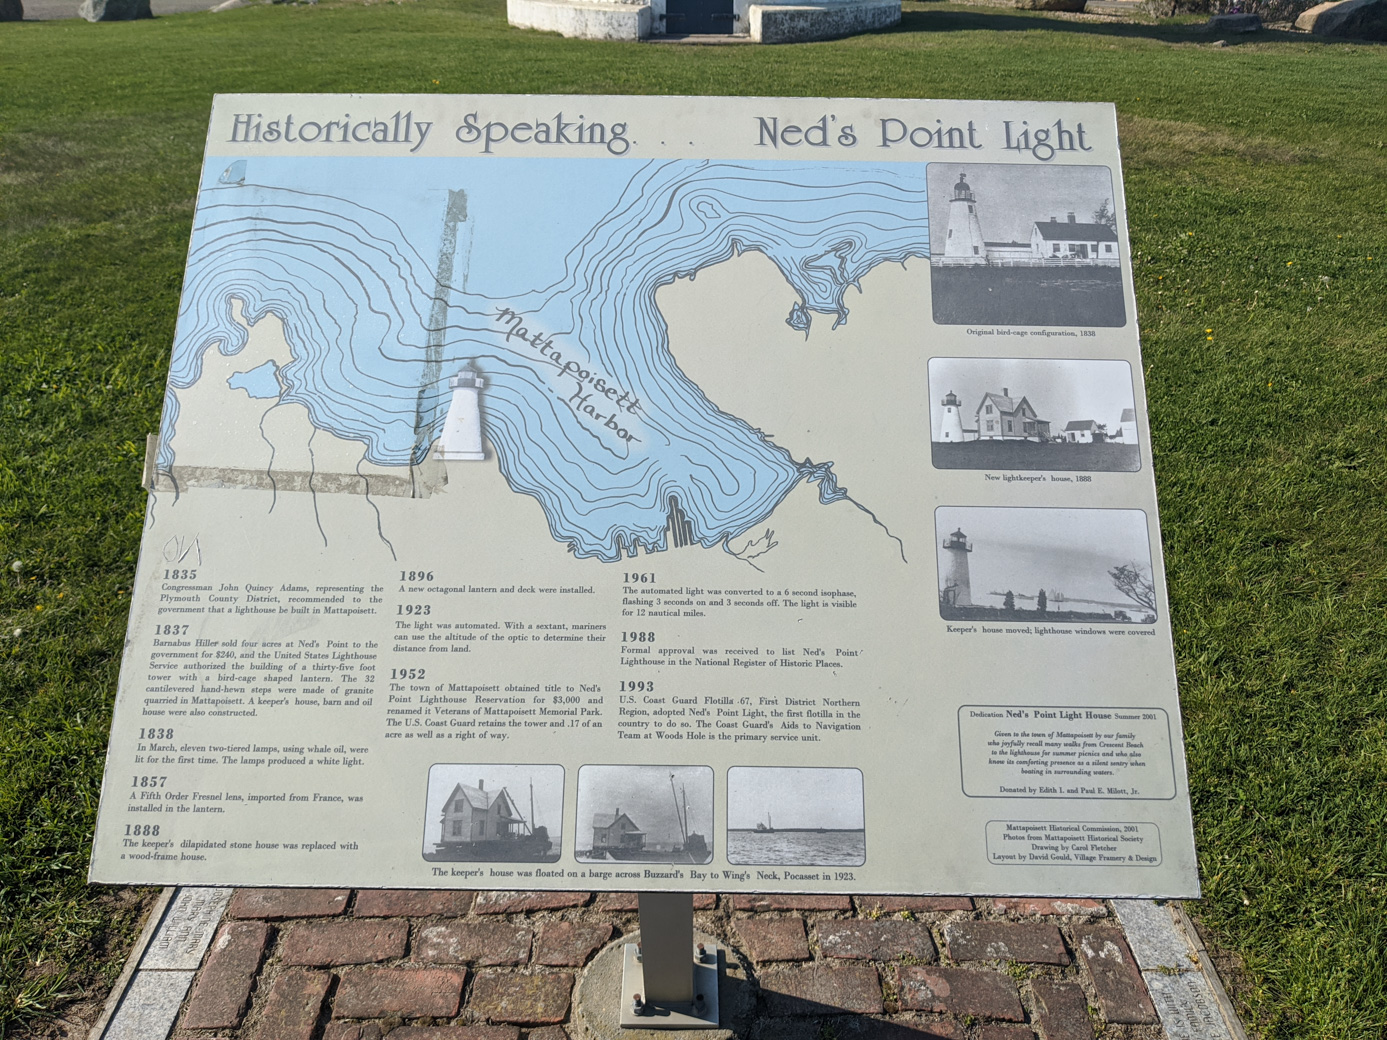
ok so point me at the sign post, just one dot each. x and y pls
(653, 494)
(668, 981)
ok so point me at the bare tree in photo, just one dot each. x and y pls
(1134, 583)
(1105, 214)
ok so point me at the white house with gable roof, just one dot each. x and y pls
(1085, 431)
(999, 417)
(1074, 240)
(476, 814)
(616, 830)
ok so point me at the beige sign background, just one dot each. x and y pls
(487, 546)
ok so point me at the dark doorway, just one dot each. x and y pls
(701, 17)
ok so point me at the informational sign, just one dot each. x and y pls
(746, 494)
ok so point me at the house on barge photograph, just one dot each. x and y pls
(645, 814)
(492, 814)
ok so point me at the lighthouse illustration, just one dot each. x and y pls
(956, 590)
(462, 430)
(964, 238)
(951, 420)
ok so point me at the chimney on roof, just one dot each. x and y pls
(481, 785)
(1053, 220)
(1006, 392)
(1071, 218)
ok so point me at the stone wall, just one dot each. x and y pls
(592, 21)
(1270, 10)
(794, 23)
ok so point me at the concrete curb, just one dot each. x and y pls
(145, 1001)
(1179, 974)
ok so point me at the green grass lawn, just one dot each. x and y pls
(1257, 192)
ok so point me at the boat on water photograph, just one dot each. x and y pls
(645, 814)
(795, 816)
(492, 814)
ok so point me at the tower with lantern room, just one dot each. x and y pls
(462, 429)
(963, 242)
(956, 589)
(951, 420)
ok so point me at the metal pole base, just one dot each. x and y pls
(600, 997)
(700, 1013)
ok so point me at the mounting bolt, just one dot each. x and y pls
(703, 955)
(639, 954)
(637, 1005)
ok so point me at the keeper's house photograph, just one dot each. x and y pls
(493, 814)
(1039, 565)
(1024, 245)
(645, 814)
(1052, 414)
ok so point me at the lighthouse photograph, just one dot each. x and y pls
(1052, 414)
(1027, 565)
(1024, 245)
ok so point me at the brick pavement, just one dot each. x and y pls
(363, 965)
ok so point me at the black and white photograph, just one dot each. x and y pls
(1033, 414)
(645, 814)
(1024, 245)
(795, 816)
(493, 813)
(1030, 565)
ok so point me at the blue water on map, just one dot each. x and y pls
(259, 381)
(586, 408)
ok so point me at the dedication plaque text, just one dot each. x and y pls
(653, 493)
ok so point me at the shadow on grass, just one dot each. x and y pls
(936, 16)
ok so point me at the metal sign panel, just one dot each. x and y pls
(666, 493)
